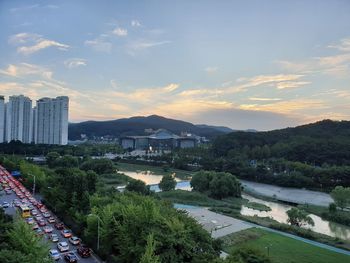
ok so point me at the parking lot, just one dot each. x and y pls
(12, 198)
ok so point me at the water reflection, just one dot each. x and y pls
(278, 213)
(278, 210)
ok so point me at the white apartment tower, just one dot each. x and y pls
(51, 120)
(2, 119)
(19, 119)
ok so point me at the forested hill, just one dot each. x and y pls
(137, 126)
(317, 143)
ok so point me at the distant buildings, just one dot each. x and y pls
(51, 121)
(160, 140)
(47, 123)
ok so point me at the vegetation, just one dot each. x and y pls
(297, 217)
(86, 149)
(258, 206)
(280, 248)
(133, 226)
(167, 183)
(19, 244)
(314, 156)
(330, 213)
(341, 196)
(216, 185)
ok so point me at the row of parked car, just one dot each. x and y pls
(43, 223)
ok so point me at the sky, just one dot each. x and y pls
(243, 64)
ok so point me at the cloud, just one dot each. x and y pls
(344, 45)
(98, 44)
(144, 44)
(264, 99)
(135, 23)
(75, 62)
(25, 69)
(120, 32)
(211, 69)
(288, 106)
(291, 84)
(336, 65)
(37, 43)
(114, 83)
(42, 44)
(277, 81)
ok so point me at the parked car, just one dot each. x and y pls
(54, 237)
(54, 254)
(42, 222)
(35, 226)
(39, 232)
(66, 233)
(84, 251)
(74, 240)
(30, 220)
(59, 226)
(46, 215)
(51, 220)
(48, 229)
(63, 246)
(5, 204)
(70, 257)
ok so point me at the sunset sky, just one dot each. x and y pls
(242, 64)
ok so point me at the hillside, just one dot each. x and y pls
(319, 143)
(137, 126)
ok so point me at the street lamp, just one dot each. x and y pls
(98, 229)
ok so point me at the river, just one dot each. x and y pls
(278, 210)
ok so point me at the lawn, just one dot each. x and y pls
(182, 174)
(281, 248)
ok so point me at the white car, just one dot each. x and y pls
(74, 240)
(54, 254)
(63, 246)
(54, 237)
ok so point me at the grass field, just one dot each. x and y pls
(182, 174)
(281, 248)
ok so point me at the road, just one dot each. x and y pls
(220, 225)
(12, 211)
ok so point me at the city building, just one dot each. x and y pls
(18, 119)
(159, 140)
(2, 119)
(47, 123)
(51, 120)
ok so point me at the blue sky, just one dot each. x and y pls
(242, 64)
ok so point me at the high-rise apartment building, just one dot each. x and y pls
(19, 119)
(51, 120)
(2, 119)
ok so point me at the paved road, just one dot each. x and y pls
(220, 225)
(294, 195)
(12, 211)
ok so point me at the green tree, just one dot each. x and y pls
(149, 255)
(167, 183)
(341, 196)
(25, 241)
(51, 158)
(297, 217)
(138, 186)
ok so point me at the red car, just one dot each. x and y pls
(59, 226)
(66, 233)
(84, 251)
(41, 223)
